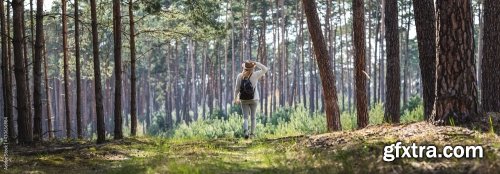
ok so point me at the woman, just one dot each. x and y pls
(245, 93)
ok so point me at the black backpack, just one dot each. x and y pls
(246, 89)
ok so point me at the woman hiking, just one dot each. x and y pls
(245, 93)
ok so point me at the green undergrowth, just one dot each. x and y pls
(357, 151)
(287, 121)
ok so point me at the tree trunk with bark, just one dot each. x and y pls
(392, 104)
(425, 22)
(79, 126)
(25, 135)
(37, 73)
(6, 76)
(491, 57)
(48, 94)
(66, 70)
(325, 66)
(117, 44)
(101, 128)
(360, 65)
(133, 104)
(456, 93)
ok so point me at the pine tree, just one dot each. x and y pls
(25, 135)
(456, 93)
(101, 128)
(360, 64)
(117, 43)
(325, 66)
(392, 105)
(425, 22)
(37, 72)
(491, 57)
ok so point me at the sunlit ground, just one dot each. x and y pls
(341, 152)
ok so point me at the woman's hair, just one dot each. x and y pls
(248, 69)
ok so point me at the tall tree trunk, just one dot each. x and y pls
(25, 135)
(219, 84)
(273, 73)
(342, 84)
(6, 76)
(211, 84)
(101, 128)
(281, 30)
(37, 72)
(166, 84)
(226, 78)
(263, 57)
(302, 56)
(186, 98)
(376, 93)
(79, 127)
(133, 107)
(381, 61)
(27, 64)
(50, 129)
(456, 93)
(392, 107)
(480, 48)
(192, 62)
(117, 40)
(360, 66)
(369, 53)
(177, 91)
(66, 71)
(325, 66)
(204, 81)
(312, 102)
(491, 59)
(404, 53)
(148, 95)
(233, 56)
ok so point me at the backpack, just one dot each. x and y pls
(246, 89)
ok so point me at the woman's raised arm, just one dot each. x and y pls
(263, 69)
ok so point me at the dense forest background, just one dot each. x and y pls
(176, 61)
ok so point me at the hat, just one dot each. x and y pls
(247, 65)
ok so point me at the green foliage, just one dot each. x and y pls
(295, 121)
(281, 115)
(286, 121)
(235, 109)
(158, 123)
(217, 114)
(376, 114)
(211, 128)
(412, 104)
(415, 115)
(289, 121)
(492, 129)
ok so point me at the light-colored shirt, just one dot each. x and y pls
(254, 79)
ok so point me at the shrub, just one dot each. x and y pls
(285, 122)
(281, 115)
(376, 114)
(414, 102)
(417, 114)
(217, 114)
(235, 109)
(158, 123)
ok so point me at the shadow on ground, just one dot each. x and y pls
(340, 152)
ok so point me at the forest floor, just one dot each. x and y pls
(357, 151)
